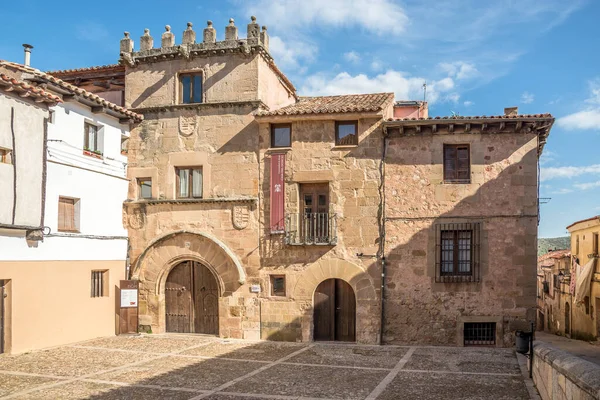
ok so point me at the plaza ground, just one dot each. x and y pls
(204, 367)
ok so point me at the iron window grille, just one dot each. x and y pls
(479, 334)
(457, 257)
(99, 283)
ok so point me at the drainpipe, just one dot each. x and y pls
(382, 235)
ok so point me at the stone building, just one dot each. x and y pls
(255, 213)
(553, 295)
(585, 308)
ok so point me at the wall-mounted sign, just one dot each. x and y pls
(255, 288)
(129, 298)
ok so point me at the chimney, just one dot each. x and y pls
(511, 111)
(27, 48)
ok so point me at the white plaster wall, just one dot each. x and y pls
(68, 128)
(29, 143)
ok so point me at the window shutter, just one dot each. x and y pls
(277, 192)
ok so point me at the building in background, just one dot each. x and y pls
(61, 287)
(585, 307)
(553, 295)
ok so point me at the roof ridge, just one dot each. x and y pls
(73, 89)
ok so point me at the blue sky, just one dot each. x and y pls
(476, 56)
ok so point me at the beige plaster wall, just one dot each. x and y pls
(502, 196)
(49, 302)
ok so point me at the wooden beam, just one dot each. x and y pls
(467, 127)
(450, 127)
(501, 126)
(124, 120)
(97, 109)
(68, 97)
(519, 125)
(418, 128)
(433, 128)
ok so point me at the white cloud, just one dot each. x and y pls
(589, 118)
(468, 103)
(376, 65)
(568, 172)
(563, 191)
(352, 56)
(382, 17)
(459, 69)
(547, 156)
(453, 97)
(291, 54)
(587, 186)
(527, 98)
(405, 87)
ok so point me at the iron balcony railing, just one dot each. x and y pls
(311, 228)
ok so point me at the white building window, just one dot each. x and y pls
(91, 138)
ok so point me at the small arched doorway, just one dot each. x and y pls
(567, 319)
(334, 311)
(191, 299)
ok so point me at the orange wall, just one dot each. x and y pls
(49, 303)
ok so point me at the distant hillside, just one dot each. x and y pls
(559, 243)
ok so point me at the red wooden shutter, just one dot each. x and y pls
(277, 193)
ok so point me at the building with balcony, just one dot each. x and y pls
(256, 213)
(64, 247)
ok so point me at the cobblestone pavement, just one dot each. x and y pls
(200, 367)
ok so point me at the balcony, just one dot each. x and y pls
(311, 229)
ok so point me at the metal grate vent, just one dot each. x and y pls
(480, 333)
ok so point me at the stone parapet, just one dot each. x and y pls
(560, 375)
(257, 41)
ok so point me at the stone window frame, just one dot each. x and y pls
(356, 135)
(456, 180)
(133, 173)
(272, 292)
(460, 327)
(272, 134)
(475, 252)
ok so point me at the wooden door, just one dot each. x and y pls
(567, 319)
(334, 311)
(314, 199)
(192, 299)
(2, 291)
(345, 312)
(324, 315)
(206, 305)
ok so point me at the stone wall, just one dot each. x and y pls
(353, 176)
(501, 198)
(559, 375)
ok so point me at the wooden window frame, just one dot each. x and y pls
(99, 283)
(86, 138)
(192, 88)
(273, 127)
(456, 180)
(76, 214)
(272, 283)
(337, 133)
(595, 243)
(455, 275)
(190, 183)
(139, 187)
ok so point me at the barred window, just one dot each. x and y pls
(457, 252)
(479, 333)
(99, 283)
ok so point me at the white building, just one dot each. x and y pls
(61, 289)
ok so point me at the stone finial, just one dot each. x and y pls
(126, 44)
(168, 38)
(264, 38)
(189, 36)
(210, 33)
(253, 29)
(231, 31)
(146, 41)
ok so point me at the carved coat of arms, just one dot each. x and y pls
(137, 218)
(187, 125)
(241, 217)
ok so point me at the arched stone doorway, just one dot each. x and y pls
(334, 311)
(368, 305)
(192, 299)
(165, 253)
(567, 319)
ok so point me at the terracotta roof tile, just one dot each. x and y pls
(97, 68)
(24, 89)
(352, 103)
(73, 89)
(460, 117)
(554, 255)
